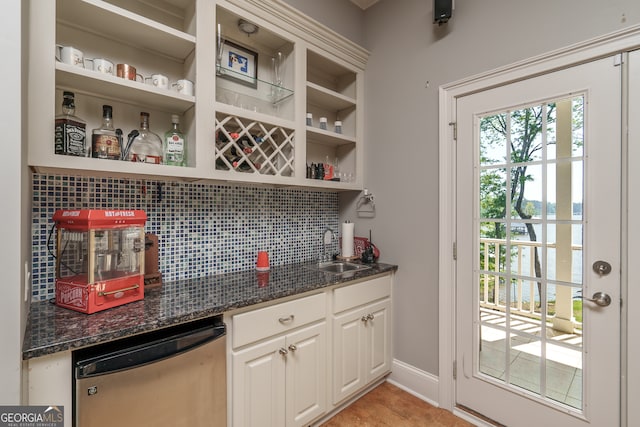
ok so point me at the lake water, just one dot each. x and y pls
(550, 265)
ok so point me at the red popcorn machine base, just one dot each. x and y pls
(99, 258)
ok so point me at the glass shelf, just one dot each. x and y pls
(230, 82)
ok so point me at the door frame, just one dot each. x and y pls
(607, 45)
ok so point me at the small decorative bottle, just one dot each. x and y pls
(104, 141)
(174, 148)
(70, 130)
(147, 146)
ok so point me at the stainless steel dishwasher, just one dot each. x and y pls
(171, 377)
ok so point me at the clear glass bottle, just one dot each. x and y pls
(147, 146)
(174, 146)
(104, 140)
(70, 130)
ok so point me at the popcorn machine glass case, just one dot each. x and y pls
(99, 258)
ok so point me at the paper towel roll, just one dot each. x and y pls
(347, 239)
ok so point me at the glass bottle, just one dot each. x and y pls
(70, 130)
(104, 140)
(174, 148)
(147, 146)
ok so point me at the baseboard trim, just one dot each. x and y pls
(415, 381)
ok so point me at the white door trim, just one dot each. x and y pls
(619, 41)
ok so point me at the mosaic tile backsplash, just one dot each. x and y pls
(204, 229)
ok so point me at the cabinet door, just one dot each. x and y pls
(306, 378)
(348, 344)
(378, 346)
(259, 385)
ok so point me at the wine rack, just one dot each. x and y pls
(249, 146)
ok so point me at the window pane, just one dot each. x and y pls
(493, 139)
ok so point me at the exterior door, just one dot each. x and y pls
(538, 249)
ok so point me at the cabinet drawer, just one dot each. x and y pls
(361, 293)
(265, 322)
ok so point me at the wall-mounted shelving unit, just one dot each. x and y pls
(318, 72)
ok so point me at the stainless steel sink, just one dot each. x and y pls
(338, 267)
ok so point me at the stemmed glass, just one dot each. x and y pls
(219, 49)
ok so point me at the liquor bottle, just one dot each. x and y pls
(174, 148)
(147, 146)
(70, 130)
(104, 140)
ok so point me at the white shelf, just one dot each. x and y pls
(100, 84)
(326, 137)
(102, 167)
(328, 99)
(100, 17)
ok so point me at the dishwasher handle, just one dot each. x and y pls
(143, 354)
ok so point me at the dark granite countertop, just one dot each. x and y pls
(51, 329)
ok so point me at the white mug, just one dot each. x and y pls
(158, 80)
(183, 86)
(100, 65)
(70, 55)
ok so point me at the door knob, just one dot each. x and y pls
(600, 298)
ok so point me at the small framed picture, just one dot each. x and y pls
(239, 64)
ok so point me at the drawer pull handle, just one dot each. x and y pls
(287, 319)
(103, 293)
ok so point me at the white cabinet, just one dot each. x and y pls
(243, 125)
(280, 380)
(361, 336)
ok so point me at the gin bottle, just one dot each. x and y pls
(70, 130)
(147, 146)
(104, 140)
(174, 145)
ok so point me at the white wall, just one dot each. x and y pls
(342, 16)
(11, 227)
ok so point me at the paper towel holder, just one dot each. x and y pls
(366, 207)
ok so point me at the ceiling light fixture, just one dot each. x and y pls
(247, 27)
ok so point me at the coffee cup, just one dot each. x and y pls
(158, 80)
(262, 263)
(70, 55)
(183, 86)
(100, 65)
(128, 72)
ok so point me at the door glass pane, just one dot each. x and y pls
(493, 140)
(524, 371)
(530, 276)
(493, 184)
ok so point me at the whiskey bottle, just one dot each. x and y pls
(174, 148)
(70, 130)
(104, 140)
(147, 146)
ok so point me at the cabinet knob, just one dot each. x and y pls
(370, 316)
(364, 319)
(292, 348)
(283, 351)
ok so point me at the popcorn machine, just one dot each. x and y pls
(99, 258)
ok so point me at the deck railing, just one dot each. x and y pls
(525, 267)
